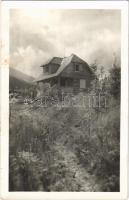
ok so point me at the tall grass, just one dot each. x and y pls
(91, 133)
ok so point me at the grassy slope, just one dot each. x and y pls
(68, 158)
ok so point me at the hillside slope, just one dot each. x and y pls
(60, 149)
(19, 80)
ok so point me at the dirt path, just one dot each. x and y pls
(86, 181)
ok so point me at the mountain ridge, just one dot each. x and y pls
(19, 80)
(20, 75)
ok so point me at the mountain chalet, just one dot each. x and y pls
(69, 74)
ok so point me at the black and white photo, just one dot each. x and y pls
(65, 99)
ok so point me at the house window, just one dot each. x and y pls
(69, 82)
(82, 83)
(46, 69)
(76, 68)
(66, 82)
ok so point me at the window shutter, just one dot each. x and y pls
(82, 83)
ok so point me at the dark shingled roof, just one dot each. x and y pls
(63, 64)
(54, 60)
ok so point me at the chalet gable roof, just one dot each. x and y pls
(64, 63)
(54, 60)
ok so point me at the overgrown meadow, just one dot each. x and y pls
(67, 148)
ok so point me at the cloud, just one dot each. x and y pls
(39, 34)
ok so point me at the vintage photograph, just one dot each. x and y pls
(64, 100)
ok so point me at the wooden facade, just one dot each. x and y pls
(69, 74)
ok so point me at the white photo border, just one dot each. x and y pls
(4, 73)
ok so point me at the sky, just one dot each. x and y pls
(36, 35)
